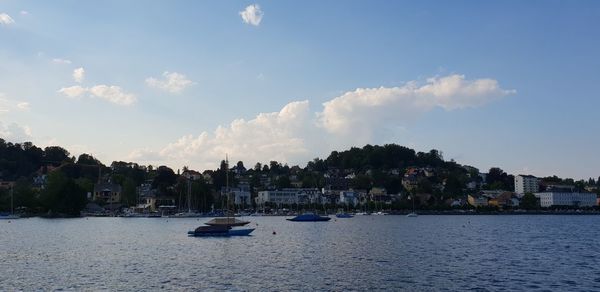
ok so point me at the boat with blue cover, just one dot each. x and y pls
(220, 231)
(309, 217)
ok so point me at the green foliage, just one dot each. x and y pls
(165, 177)
(362, 182)
(86, 184)
(529, 202)
(128, 194)
(497, 179)
(88, 159)
(56, 155)
(283, 181)
(63, 196)
(24, 195)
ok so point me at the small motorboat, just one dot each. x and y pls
(309, 217)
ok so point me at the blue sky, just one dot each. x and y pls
(508, 83)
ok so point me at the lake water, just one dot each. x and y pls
(362, 253)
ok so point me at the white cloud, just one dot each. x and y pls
(73, 91)
(15, 133)
(252, 14)
(24, 12)
(78, 75)
(6, 105)
(172, 82)
(358, 112)
(5, 19)
(111, 93)
(61, 61)
(25, 106)
(276, 135)
(295, 134)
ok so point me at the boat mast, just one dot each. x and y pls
(12, 211)
(189, 191)
(227, 182)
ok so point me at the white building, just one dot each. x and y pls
(548, 199)
(240, 195)
(348, 198)
(289, 196)
(526, 184)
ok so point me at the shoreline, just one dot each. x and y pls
(391, 213)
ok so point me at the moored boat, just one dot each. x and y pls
(344, 215)
(227, 221)
(220, 231)
(309, 217)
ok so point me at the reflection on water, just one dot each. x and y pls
(360, 253)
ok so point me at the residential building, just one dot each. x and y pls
(380, 195)
(575, 199)
(526, 184)
(7, 185)
(289, 196)
(241, 195)
(477, 201)
(505, 199)
(192, 175)
(107, 192)
(349, 198)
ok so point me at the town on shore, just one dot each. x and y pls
(373, 179)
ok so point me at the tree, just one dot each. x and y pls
(275, 167)
(240, 165)
(283, 181)
(88, 160)
(63, 196)
(56, 154)
(165, 177)
(129, 196)
(224, 166)
(529, 202)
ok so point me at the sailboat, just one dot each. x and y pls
(228, 226)
(189, 213)
(413, 213)
(12, 213)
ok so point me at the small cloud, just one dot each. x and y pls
(252, 14)
(24, 12)
(15, 132)
(110, 93)
(113, 94)
(78, 75)
(5, 19)
(24, 106)
(172, 82)
(61, 61)
(7, 105)
(73, 91)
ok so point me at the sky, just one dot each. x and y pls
(509, 84)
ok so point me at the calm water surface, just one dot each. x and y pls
(494, 253)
